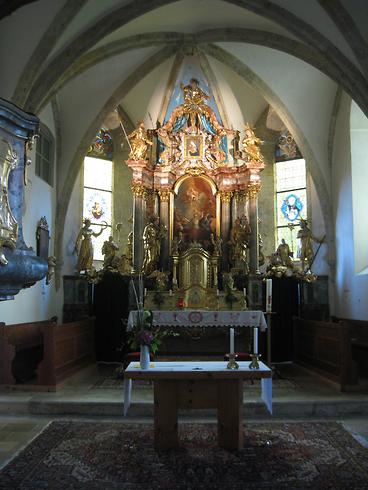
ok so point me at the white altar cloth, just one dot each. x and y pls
(159, 369)
(204, 318)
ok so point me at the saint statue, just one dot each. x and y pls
(152, 236)
(251, 146)
(214, 152)
(109, 249)
(139, 142)
(305, 249)
(217, 244)
(84, 247)
(239, 239)
(283, 251)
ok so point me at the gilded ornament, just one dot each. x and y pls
(139, 143)
(251, 146)
(138, 190)
(253, 189)
(164, 195)
(8, 223)
(226, 196)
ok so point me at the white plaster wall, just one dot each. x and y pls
(40, 302)
(73, 223)
(359, 166)
(83, 98)
(306, 92)
(350, 289)
(19, 34)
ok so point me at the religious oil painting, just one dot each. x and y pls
(195, 211)
(193, 146)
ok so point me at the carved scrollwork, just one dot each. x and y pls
(8, 223)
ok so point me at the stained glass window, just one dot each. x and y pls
(97, 199)
(291, 200)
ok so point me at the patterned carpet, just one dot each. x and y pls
(87, 455)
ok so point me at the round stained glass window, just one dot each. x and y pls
(292, 207)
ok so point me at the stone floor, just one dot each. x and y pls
(299, 395)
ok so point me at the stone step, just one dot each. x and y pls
(252, 409)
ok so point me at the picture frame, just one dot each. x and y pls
(193, 147)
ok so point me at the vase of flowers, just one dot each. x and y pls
(145, 336)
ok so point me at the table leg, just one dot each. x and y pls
(230, 414)
(165, 415)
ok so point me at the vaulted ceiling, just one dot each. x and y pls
(78, 59)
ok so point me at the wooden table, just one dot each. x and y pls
(198, 385)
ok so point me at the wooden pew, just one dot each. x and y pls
(67, 348)
(18, 340)
(325, 348)
(358, 330)
(61, 351)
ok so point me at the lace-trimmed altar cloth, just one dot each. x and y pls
(200, 318)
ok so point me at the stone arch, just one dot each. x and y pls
(345, 72)
(256, 82)
(82, 148)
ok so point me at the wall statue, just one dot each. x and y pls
(84, 247)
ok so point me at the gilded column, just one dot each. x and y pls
(253, 190)
(139, 211)
(164, 195)
(225, 197)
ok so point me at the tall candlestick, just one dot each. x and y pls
(231, 341)
(255, 340)
(268, 295)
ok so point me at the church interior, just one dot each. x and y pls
(183, 244)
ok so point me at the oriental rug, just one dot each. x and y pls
(88, 455)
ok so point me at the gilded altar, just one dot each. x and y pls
(195, 211)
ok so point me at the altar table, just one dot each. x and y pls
(198, 385)
(204, 318)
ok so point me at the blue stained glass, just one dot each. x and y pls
(292, 207)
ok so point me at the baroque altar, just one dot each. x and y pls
(195, 204)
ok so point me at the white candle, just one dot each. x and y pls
(231, 341)
(145, 292)
(170, 292)
(217, 292)
(268, 295)
(245, 292)
(255, 340)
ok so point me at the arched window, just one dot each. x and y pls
(98, 189)
(45, 149)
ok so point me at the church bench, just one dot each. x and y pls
(44, 353)
(358, 330)
(325, 347)
(21, 348)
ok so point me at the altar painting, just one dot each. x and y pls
(195, 211)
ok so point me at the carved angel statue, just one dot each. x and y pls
(109, 249)
(305, 249)
(139, 142)
(217, 244)
(251, 146)
(84, 247)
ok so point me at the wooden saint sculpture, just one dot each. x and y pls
(305, 249)
(109, 249)
(84, 247)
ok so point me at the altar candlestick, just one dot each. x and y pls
(255, 340)
(231, 341)
(268, 295)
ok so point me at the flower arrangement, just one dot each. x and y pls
(144, 332)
